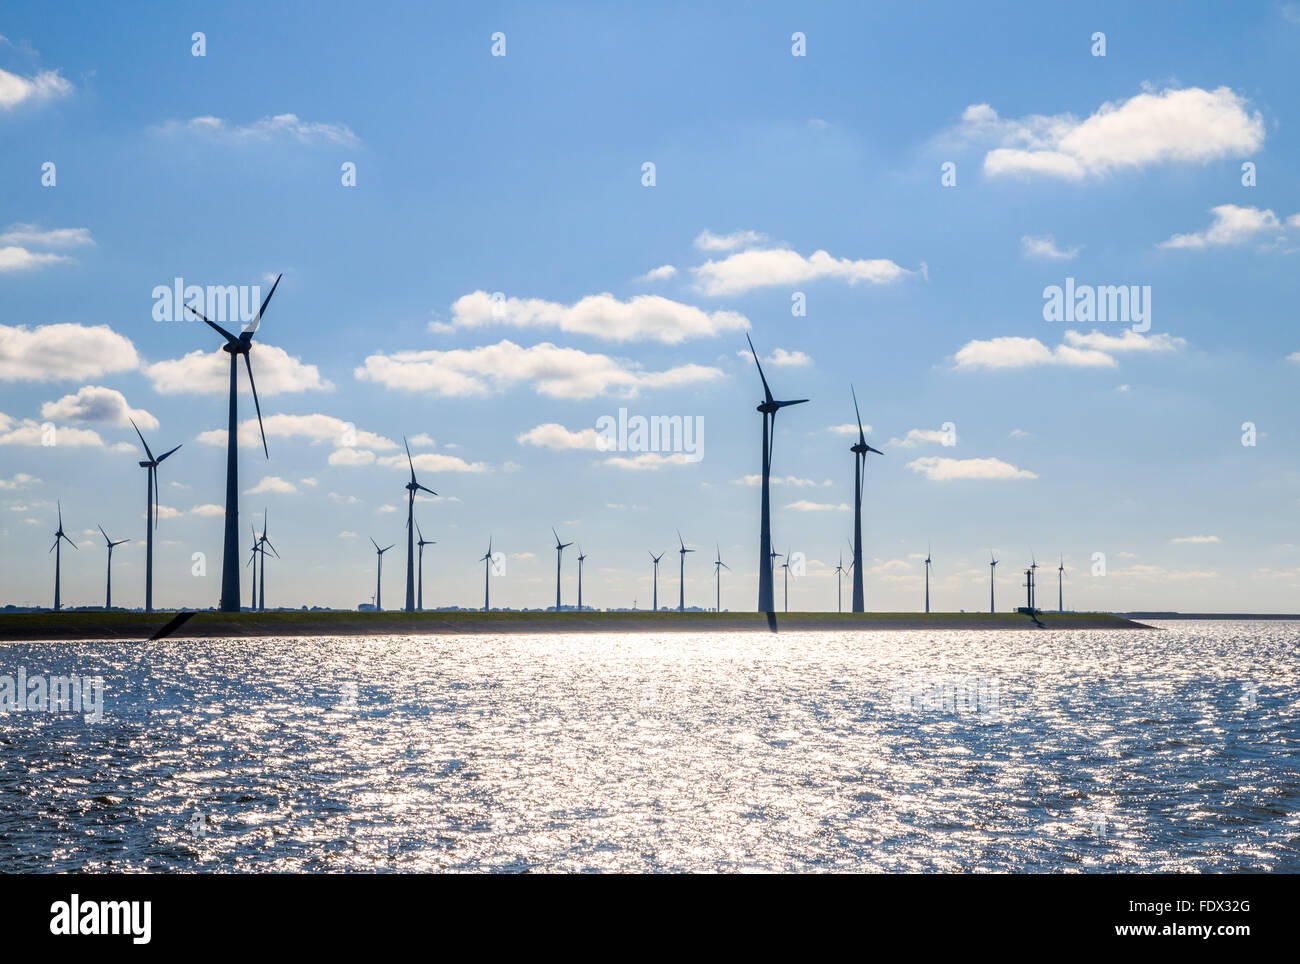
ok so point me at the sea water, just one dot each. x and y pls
(1166, 750)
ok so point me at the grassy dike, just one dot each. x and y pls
(90, 625)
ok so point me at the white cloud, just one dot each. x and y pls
(848, 428)
(944, 469)
(643, 317)
(1294, 356)
(433, 462)
(1019, 433)
(1191, 125)
(648, 461)
(96, 404)
(20, 480)
(552, 435)
(63, 351)
(747, 270)
(351, 456)
(662, 273)
(781, 358)
(14, 258)
(29, 432)
(1045, 248)
(1127, 341)
(31, 234)
(44, 86)
(203, 372)
(921, 436)
(1093, 350)
(1196, 539)
(208, 509)
(550, 370)
(1232, 224)
(803, 505)
(273, 483)
(217, 129)
(422, 441)
(706, 240)
(346, 534)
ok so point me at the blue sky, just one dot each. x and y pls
(523, 174)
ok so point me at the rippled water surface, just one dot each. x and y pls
(904, 751)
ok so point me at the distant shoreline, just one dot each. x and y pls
(90, 625)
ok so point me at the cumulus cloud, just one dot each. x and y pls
(16, 90)
(642, 318)
(1232, 224)
(1196, 539)
(945, 470)
(706, 240)
(661, 273)
(14, 258)
(1189, 125)
(273, 483)
(549, 370)
(921, 436)
(28, 431)
(1093, 350)
(848, 428)
(63, 351)
(1045, 248)
(20, 480)
(649, 461)
(96, 404)
(351, 457)
(552, 435)
(204, 372)
(208, 509)
(316, 428)
(288, 126)
(780, 358)
(31, 234)
(433, 462)
(756, 479)
(803, 505)
(746, 270)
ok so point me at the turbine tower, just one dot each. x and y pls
(151, 498)
(581, 557)
(1033, 579)
(1060, 590)
(487, 567)
(655, 559)
(379, 573)
(993, 565)
(769, 407)
(411, 488)
(859, 450)
(59, 536)
(559, 555)
(252, 561)
(108, 591)
(236, 347)
(786, 578)
(681, 573)
(927, 579)
(420, 544)
(718, 566)
(263, 543)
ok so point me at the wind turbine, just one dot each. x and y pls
(581, 556)
(236, 347)
(59, 535)
(379, 572)
(786, 566)
(420, 544)
(993, 565)
(559, 555)
(487, 567)
(839, 584)
(773, 556)
(681, 573)
(769, 407)
(263, 542)
(252, 561)
(411, 488)
(927, 578)
(108, 591)
(859, 450)
(1033, 579)
(718, 566)
(655, 559)
(1060, 591)
(151, 497)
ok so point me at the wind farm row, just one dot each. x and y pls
(232, 565)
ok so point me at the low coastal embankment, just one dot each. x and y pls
(92, 625)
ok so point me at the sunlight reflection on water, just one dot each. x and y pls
(1104, 750)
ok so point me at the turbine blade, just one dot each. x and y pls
(425, 488)
(877, 451)
(408, 458)
(167, 453)
(767, 392)
(373, 542)
(105, 535)
(267, 542)
(418, 532)
(256, 404)
(793, 401)
(252, 327)
(213, 325)
(142, 441)
(861, 435)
